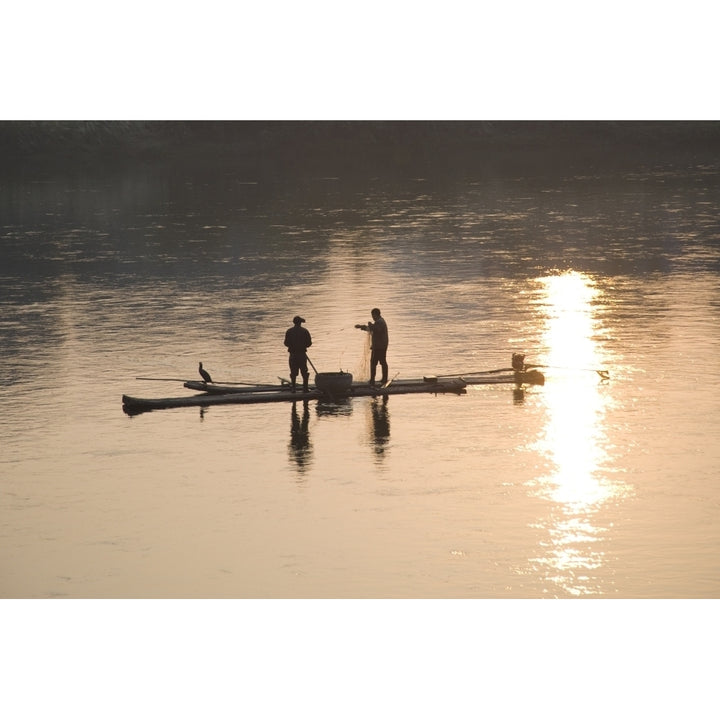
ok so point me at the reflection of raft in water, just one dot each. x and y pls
(334, 386)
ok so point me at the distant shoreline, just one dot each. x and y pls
(392, 149)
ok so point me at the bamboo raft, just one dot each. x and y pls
(226, 394)
(433, 383)
(230, 395)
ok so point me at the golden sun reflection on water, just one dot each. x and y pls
(573, 439)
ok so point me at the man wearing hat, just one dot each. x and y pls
(297, 341)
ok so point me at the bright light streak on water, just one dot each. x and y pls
(574, 439)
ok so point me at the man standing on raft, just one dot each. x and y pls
(378, 349)
(297, 341)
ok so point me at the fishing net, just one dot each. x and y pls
(362, 369)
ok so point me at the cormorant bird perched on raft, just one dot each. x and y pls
(204, 374)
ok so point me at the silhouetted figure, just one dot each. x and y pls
(204, 374)
(297, 341)
(378, 347)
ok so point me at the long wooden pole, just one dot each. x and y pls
(163, 379)
(604, 374)
(477, 372)
(182, 380)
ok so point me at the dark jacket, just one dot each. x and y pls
(379, 332)
(297, 340)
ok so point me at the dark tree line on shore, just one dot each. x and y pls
(355, 147)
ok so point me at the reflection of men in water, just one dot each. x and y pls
(381, 423)
(297, 341)
(300, 435)
(378, 348)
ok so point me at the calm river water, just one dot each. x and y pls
(582, 488)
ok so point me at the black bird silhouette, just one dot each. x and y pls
(204, 374)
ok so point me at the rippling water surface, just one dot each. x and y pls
(584, 487)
